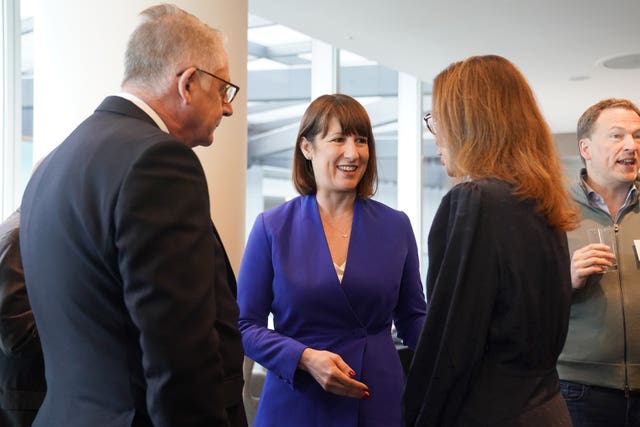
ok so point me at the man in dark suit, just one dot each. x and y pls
(129, 282)
(22, 385)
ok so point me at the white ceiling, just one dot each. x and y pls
(559, 45)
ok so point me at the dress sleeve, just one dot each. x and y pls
(167, 254)
(276, 352)
(410, 312)
(461, 289)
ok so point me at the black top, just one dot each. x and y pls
(499, 295)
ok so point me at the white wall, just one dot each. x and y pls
(78, 60)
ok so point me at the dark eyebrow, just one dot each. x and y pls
(331, 135)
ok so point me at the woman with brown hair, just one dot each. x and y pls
(335, 269)
(498, 286)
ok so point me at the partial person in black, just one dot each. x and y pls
(22, 384)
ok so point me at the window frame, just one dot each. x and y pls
(10, 109)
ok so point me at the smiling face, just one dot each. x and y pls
(339, 161)
(611, 152)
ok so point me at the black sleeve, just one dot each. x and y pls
(461, 288)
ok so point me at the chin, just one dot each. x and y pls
(206, 142)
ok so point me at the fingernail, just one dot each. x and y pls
(351, 373)
(365, 395)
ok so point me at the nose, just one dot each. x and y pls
(227, 109)
(631, 143)
(351, 148)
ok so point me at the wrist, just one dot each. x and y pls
(304, 358)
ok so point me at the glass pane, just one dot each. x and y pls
(25, 145)
(376, 88)
(279, 90)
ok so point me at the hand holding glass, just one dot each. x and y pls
(605, 236)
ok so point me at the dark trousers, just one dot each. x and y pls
(592, 406)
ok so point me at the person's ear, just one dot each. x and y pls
(305, 148)
(585, 148)
(185, 84)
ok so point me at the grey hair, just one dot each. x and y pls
(166, 42)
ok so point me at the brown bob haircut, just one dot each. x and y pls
(489, 120)
(354, 120)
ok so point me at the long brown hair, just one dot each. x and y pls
(492, 126)
(354, 120)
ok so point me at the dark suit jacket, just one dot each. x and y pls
(129, 282)
(22, 384)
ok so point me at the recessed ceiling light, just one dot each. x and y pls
(623, 62)
(578, 78)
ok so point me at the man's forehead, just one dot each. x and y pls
(618, 117)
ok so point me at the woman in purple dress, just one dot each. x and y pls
(335, 269)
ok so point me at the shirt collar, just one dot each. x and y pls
(146, 108)
(596, 200)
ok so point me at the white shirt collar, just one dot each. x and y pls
(146, 108)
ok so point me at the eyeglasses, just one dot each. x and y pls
(430, 122)
(229, 89)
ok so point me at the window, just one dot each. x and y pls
(17, 102)
(279, 90)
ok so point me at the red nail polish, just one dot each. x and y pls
(351, 373)
(366, 395)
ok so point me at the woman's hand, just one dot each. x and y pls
(589, 260)
(332, 373)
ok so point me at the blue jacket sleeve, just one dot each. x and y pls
(278, 353)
